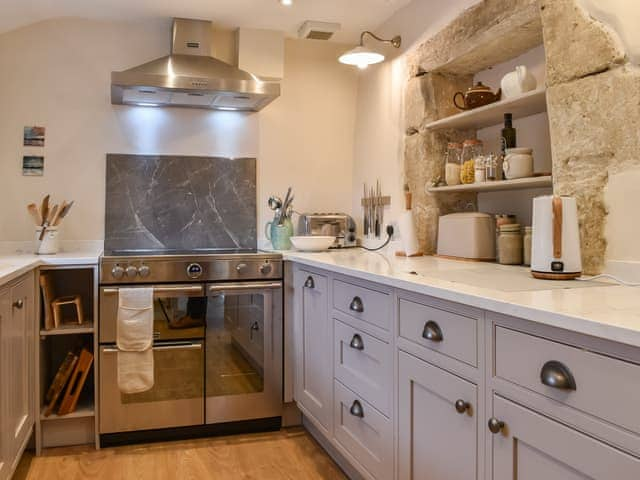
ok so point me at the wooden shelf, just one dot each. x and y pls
(69, 329)
(528, 104)
(82, 411)
(497, 186)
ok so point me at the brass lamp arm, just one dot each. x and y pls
(395, 41)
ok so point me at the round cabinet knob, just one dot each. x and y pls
(462, 406)
(241, 267)
(144, 271)
(18, 304)
(117, 272)
(266, 268)
(495, 425)
(131, 271)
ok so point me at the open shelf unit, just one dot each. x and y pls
(81, 425)
(497, 186)
(528, 104)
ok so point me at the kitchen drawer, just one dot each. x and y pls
(363, 432)
(364, 364)
(605, 387)
(362, 303)
(450, 334)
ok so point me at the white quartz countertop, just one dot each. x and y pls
(17, 259)
(601, 309)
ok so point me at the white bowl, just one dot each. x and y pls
(312, 243)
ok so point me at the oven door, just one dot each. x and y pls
(179, 312)
(177, 396)
(243, 378)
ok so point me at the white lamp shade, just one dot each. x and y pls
(361, 57)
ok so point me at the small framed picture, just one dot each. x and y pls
(34, 136)
(32, 166)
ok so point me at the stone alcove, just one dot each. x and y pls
(590, 87)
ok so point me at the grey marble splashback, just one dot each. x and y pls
(180, 202)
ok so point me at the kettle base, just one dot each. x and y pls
(555, 275)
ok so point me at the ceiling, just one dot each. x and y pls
(353, 15)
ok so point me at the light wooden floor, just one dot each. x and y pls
(288, 454)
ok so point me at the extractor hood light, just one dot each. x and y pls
(286, 3)
(147, 104)
(362, 56)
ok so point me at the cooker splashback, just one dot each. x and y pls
(180, 202)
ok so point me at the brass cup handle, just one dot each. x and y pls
(18, 304)
(356, 342)
(356, 409)
(309, 283)
(495, 425)
(462, 406)
(356, 305)
(432, 331)
(555, 375)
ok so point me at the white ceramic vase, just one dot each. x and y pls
(519, 81)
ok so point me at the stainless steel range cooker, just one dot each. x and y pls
(217, 338)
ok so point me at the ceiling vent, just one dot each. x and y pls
(318, 30)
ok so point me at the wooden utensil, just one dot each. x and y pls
(63, 213)
(56, 218)
(32, 208)
(53, 213)
(44, 209)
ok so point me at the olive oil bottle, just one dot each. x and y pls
(508, 139)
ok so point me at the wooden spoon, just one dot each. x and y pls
(63, 213)
(44, 209)
(32, 208)
(56, 218)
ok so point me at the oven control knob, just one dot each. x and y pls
(131, 271)
(241, 267)
(194, 270)
(144, 271)
(117, 272)
(266, 268)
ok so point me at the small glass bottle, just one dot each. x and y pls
(510, 245)
(452, 163)
(526, 245)
(480, 170)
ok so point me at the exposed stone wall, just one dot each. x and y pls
(593, 101)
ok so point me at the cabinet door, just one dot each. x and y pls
(5, 390)
(437, 423)
(314, 354)
(18, 342)
(531, 447)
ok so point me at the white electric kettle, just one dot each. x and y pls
(555, 246)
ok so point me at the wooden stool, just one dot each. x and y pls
(58, 303)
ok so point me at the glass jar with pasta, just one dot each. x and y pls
(471, 150)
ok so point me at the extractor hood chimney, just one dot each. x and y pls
(190, 77)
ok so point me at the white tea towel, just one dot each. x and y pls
(135, 371)
(134, 339)
(134, 332)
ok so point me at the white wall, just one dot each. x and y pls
(379, 124)
(57, 74)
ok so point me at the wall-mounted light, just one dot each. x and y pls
(362, 56)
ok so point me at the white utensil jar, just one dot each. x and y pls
(49, 244)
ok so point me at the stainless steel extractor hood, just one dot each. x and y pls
(190, 77)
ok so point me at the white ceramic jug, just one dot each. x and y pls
(518, 82)
(518, 163)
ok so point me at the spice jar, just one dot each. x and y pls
(480, 170)
(471, 149)
(510, 245)
(491, 167)
(526, 245)
(452, 163)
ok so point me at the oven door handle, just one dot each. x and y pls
(159, 291)
(179, 346)
(240, 287)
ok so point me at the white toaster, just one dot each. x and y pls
(468, 235)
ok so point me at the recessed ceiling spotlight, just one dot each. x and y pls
(286, 3)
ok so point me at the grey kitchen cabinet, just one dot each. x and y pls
(437, 423)
(529, 446)
(313, 333)
(16, 370)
